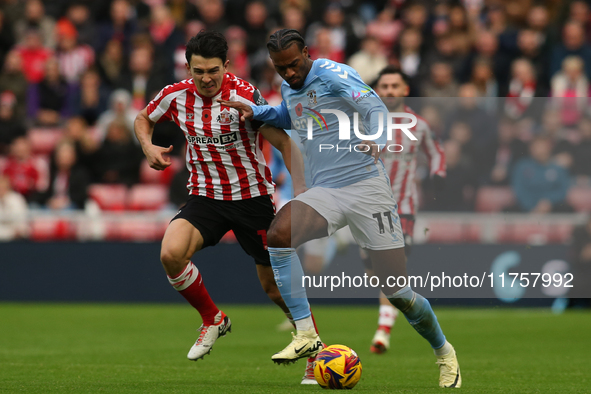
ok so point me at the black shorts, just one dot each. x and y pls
(249, 219)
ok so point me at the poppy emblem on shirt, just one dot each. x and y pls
(206, 116)
(299, 109)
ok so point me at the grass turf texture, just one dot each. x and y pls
(55, 348)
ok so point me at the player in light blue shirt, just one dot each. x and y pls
(349, 187)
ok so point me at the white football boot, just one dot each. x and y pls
(304, 344)
(449, 370)
(208, 335)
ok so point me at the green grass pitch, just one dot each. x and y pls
(94, 348)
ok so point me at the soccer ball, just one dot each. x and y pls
(337, 367)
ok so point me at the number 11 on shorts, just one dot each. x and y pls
(378, 217)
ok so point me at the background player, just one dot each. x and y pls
(392, 86)
(350, 189)
(230, 184)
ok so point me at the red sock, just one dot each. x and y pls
(385, 328)
(189, 284)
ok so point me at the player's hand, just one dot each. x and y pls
(370, 148)
(156, 157)
(245, 110)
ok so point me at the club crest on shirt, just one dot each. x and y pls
(225, 117)
(190, 116)
(311, 97)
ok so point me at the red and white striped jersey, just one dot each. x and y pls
(224, 154)
(402, 166)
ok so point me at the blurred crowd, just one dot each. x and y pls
(76, 72)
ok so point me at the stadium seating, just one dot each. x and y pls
(147, 197)
(52, 229)
(580, 198)
(451, 232)
(109, 197)
(494, 198)
(43, 141)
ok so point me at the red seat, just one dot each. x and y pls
(150, 175)
(109, 197)
(524, 233)
(494, 198)
(580, 198)
(147, 197)
(44, 140)
(52, 229)
(138, 230)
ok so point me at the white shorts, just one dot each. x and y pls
(367, 207)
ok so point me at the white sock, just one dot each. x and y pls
(305, 324)
(443, 350)
(387, 315)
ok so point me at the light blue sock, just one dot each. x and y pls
(286, 264)
(419, 314)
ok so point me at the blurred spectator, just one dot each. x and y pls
(573, 43)
(459, 191)
(415, 16)
(501, 156)
(120, 109)
(522, 89)
(182, 11)
(68, 181)
(370, 60)
(529, 43)
(121, 27)
(21, 169)
(540, 185)
(13, 212)
(579, 12)
(73, 58)
(212, 14)
(165, 36)
(385, 29)
(408, 52)
(237, 53)
(112, 63)
(13, 9)
(78, 13)
(91, 99)
(118, 159)
(345, 31)
(51, 96)
(6, 36)
(34, 55)
(143, 81)
(35, 18)
(324, 48)
(77, 131)
(582, 153)
(467, 111)
(572, 86)
(441, 82)
(257, 24)
(486, 85)
(11, 126)
(294, 18)
(13, 79)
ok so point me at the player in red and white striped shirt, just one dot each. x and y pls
(392, 87)
(230, 185)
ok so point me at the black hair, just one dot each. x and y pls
(393, 70)
(209, 44)
(283, 39)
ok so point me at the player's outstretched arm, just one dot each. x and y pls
(291, 155)
(143, 128)
(277, 116)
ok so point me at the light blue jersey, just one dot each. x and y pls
(333, 162)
